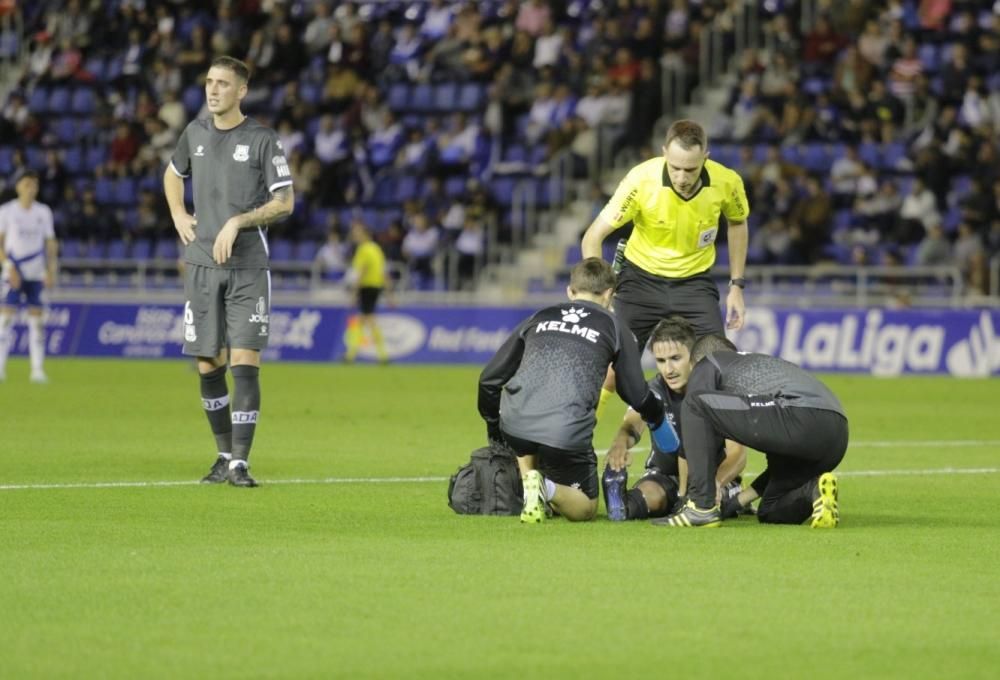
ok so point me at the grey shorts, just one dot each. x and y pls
(225, 308)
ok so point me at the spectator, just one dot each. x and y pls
(124, 147)
(420, 247)
(917, 214)
(437, 20)
(469, 248)
(873, 44)
(970, 258)
(844, 176)
(905, 71)
(812, 216)
(934, 249)
(531, 17)
(852, 75)
(317, 32)
(822, 44)
(331, 258)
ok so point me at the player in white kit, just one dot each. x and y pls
(28, 250)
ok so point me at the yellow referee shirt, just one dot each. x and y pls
(369, 263)
(674, 237)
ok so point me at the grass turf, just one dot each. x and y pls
(359, 579)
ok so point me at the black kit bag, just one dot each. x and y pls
(489, 484)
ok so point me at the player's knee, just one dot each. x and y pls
(654, 496)
(580, 511)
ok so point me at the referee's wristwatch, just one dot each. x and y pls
(739, 283)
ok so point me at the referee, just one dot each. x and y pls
(675, 203)
(241, 184)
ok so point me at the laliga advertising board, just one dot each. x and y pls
(878, 342)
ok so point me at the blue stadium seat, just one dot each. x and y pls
(6, 160)
(929, 56)
(35, 156)
(117, 250)
(305, 251)
(113, 67)
(125, 191)
(892, 155)
(816, 158)
(311, 93)
(104, 190)
(192, 99)
(407, 188)
(385, 190)
(166, 249)
(445, 96)
(503, 190)
(94, 250)
(95, 66)
(422, 98)
(815, 86)
(471, 97)
(38, 100)
(84, 101)
(142, 249)
(69, 248)
(454, 187)
(573, 255)
(65, 130)
(515, 153)
(59, 99)
(399, 96)
(96, 155)
(281, 250)
(871, 154)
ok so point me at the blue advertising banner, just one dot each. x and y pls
(876, 341)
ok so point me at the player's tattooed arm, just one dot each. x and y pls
(280, 206)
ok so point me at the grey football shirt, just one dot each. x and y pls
(232, 172)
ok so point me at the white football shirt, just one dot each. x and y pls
(24, 235)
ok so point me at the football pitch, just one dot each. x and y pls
(347, 562)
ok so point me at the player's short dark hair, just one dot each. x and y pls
(673, 329)
(593, 275)
(709, 344)
(235, 65)
(687, 133)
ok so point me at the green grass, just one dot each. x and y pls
(382, 580)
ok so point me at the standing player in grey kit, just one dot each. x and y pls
(241, 184)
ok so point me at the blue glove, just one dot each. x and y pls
(664, 436)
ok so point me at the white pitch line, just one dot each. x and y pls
(422, 480)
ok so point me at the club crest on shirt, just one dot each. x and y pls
(242, 152)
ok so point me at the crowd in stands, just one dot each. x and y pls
(870, 135)
(415, 117)
(873, 137)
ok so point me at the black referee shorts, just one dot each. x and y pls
(367, 299)
(643, 299)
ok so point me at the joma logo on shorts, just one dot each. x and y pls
(259, 318)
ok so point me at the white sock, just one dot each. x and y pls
(549, 489)
(226, 456)
(36, 343)
(6, 335)
(233, 464)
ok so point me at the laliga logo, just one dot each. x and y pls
(403, 335)
(760, 332)
(977, 356)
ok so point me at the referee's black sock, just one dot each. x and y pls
(635, 505)
(246, 408)
(215, 400)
